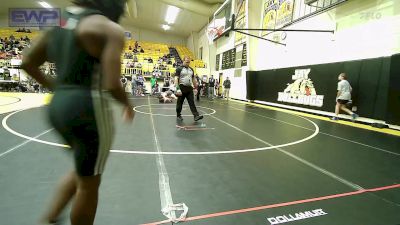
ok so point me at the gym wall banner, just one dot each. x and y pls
(285, 13)
(276, 14)
(375, 83)
(301, 91)
(308, 87)
(241, 13)
(269, 15)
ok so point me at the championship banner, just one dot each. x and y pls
(240, 38)
(285, 13)
(240, 8)
(240, 23)
(269, 15)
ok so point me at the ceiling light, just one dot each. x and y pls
(45, 5)
(166, 27)
(172, 13)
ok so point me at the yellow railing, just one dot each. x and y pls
(135, 71)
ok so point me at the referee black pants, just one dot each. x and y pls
(187, 92)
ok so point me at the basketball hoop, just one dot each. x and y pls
(212, 33)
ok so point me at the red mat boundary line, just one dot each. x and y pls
(238, 211)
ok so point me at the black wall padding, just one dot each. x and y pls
(250, 83)
(393, 109)
(375, 82)
(381, 97)
(368, 85)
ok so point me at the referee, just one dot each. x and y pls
(185, 82)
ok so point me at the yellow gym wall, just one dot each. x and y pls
(142, 34)
(4, 21)
(192, 42)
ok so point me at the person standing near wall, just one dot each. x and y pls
(217, 86)
(343, 97)
(211, 85)
(204, 85)
(185, 82)
(134, 85)
(140, 86)
(227, 87)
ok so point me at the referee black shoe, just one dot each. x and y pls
(198, 117)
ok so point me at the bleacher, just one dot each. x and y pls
(12, 44)
(152, 50)
(155, 51)
(184, 51)
(18, 41)
(7, 32)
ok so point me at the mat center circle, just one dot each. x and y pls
(145, 109)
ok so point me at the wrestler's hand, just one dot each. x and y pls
(128, 114)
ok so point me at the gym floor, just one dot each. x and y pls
(243, 164)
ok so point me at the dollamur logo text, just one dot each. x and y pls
(296, 216)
